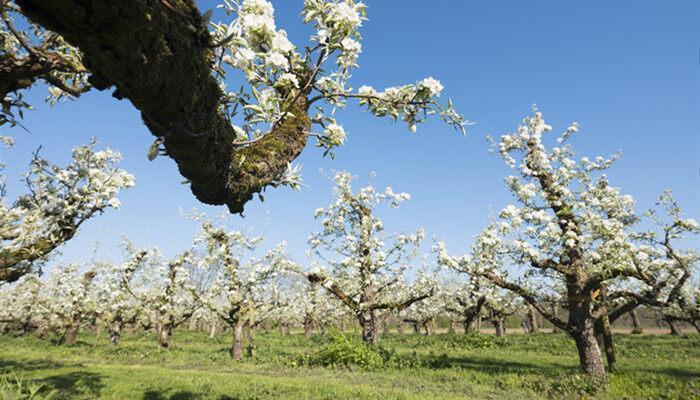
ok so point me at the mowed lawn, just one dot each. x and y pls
(444, 366)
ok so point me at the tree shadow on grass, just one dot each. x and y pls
(72, 384)
(29, 365)
(179, 395)
(497, 366)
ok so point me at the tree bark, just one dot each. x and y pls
(369, 327)
(636, 326)
(532, 319)
(675, 331)
(499, 326)
(212, 330)
(428, 326)
(581, 321)
(71, 335)
(605, 341)
(115, 331)
(237, 345)
(416, 328)
(164, 334)
(158, 54)
(308, 327)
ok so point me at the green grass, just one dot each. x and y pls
(406, 367)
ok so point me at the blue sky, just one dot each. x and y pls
(627, 71)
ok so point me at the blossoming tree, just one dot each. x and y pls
(238, 276)
(363, 266)
(58, 201)
(570, 227)
(175, 65)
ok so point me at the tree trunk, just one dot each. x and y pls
(673, 325)
(605, 341)
(115, 331)
(399, 328)
(369, 327)
(164, 333)
(284, 329)
(532, 319)
(636, 326)
(71, 335)
(212, 330)
(416, 328)
(308, 327)
(237, 346)
(583, 333)
(428, 326)
(499, 326)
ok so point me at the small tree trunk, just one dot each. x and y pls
(636, 326)
(115, 331)
(532, 319)
(605, 341)
(308, 327)
(399, 328)
(428, 326)
(71, 335)
(673, 325)
(212, 330)
(252, 345)
(164, 333)
(416, 328)
(237, 345)
(499, 326)
(284, 329)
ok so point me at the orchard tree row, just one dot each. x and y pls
(573, 249)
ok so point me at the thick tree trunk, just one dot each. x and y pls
(636, 326)
(369, 327)
(532, 319)
(675, 331)
(237, 345)
(605, 341)
(581, 320)
(499, 326)
(71, 335)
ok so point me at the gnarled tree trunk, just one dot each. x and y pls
(583, 333)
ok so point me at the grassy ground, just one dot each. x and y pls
(408, 367)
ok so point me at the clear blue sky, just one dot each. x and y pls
(627, 71)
